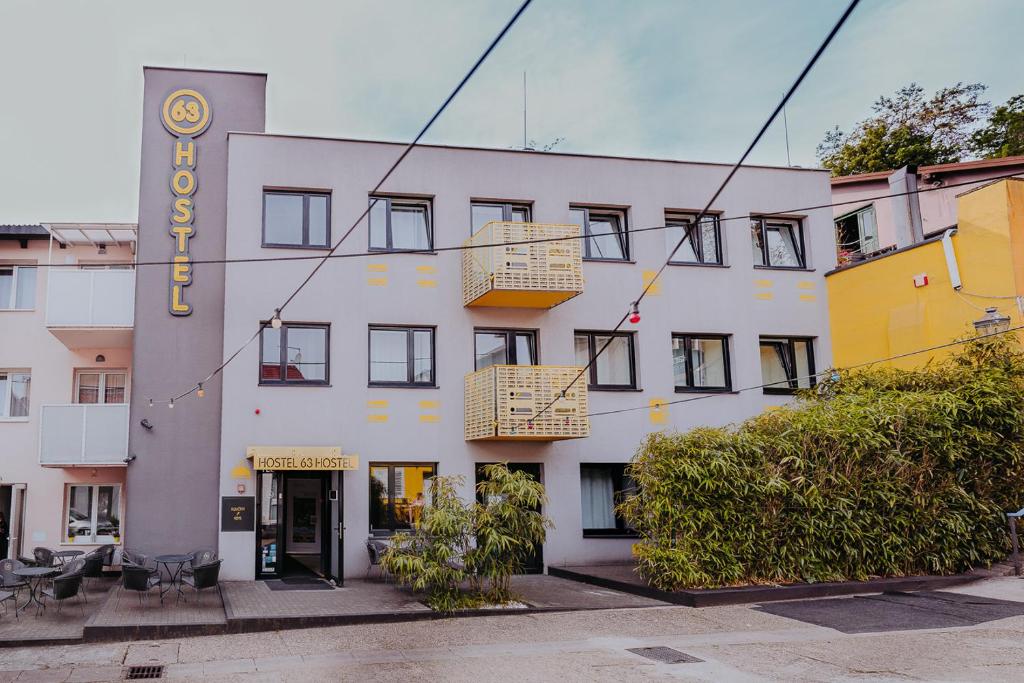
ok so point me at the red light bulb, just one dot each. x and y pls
(634, 316)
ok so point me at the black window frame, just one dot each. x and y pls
(622, 528)
(592, 383)
(283, 355)
(687, 219)
(506, 210)
(410, 356)
(391, 466)
(688, 338)
(305, 194)
(510, 346)
(388, 236)
(792, 378)
(622, 234)
(765, 222)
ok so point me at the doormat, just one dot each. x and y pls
(298, 583)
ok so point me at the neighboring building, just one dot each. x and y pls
(931, 291)
(393, 367)
(65, 373)
(868, 221)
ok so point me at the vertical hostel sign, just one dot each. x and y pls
(186, 115)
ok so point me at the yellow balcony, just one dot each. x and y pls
(501, 402)
(516, 275)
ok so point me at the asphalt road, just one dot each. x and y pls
(734, 644)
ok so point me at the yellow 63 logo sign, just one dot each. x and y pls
(185, 113)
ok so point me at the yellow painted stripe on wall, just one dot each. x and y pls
(763, 283)
(376, 418)
(377, 281)
(377, 267)
(648, 276)
(377, 403)
(430, 404)
(430, 418)
(427, 283)
(808, 297)
(659, 411)
(806, 284)
(764, 296)
(426, 269)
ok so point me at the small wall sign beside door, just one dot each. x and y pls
(238, 513)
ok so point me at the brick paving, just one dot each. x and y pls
(253, 600)
(123, 608)
(48, 625)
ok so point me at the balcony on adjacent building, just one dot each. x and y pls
(83, 435)
(510, 265)
(503, 400)
(91, 309)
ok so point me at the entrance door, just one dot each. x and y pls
(304, 521)
(535, 562)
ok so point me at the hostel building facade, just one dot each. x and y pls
(406, 358)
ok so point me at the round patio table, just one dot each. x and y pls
(64, 555)
(35, 577)
(174, 574)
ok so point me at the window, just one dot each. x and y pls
(402, 356)
(400, 224)
(615, 367)
(857, 232)
(93, 386)
(602, 487)
(787, 364)
(93, 514)
(701, 362)
(604, 231)
(296, 353)
(14, 391)
(483, 213)
(702, 244)
(297, 219)
(398, 493)
(17, 288)
(777, 243)
(505, 347)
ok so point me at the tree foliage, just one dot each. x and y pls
(880, 472)
(1003, 134)
(908, 128)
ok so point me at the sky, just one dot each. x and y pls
(680, 79)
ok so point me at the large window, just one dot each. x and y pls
(857, 232)
(485, 212)
(296, 219)
(602, 487)
(777, 243)
(700, 362)
(787, 364)
(295, 353)
(605, 233)
(95, 386)
(14, 393)
(505, 347)
(401, 356)
(17, 287)
(398, 493)
(701, 244)
(400, 224)
(93, 514)
(615, 368)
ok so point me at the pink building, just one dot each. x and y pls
(66, 331)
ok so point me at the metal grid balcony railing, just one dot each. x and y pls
(502, 400)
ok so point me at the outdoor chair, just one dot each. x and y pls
(92, 568)
(141, 580)
(12, 596)
(139, 560)
(9, 581)
(204, 576)
(65, 587)
(74, 567)
(201, 556)
(376, 548)
(43, 557)
(106, 553)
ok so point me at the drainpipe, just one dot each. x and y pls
(951, 264)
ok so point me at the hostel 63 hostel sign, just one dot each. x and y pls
(186, 115)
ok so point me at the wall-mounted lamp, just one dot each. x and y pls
(241, 487)
(130, 458)
(100, 358)
(992, 322)
(146, 424)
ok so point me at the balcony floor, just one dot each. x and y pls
(520, 298)
(94, 337)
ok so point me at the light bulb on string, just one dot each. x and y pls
(275, 322)
(200, 392)
(170, 404)
(634, 315)
(150, 403)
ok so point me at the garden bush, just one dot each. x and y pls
(878, 472)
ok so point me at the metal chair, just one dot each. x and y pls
(9, 581)
(43, 556)
(92, 569)
(139, 560)
(376, 548)
(139, 579)
(204, 576)
(106, 552)
(65, 587)
(9, 595)
(74, 567)
(201, 556)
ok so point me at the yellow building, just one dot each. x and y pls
(931, 292)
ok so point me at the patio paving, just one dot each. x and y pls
(49, 626)
(124, 617)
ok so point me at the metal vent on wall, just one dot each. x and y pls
(146, 672)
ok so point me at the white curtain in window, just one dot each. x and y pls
(598, 495)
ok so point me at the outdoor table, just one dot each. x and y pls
(63, 556)
(175, 574)
(35, 577)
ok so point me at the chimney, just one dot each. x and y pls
(906, 208)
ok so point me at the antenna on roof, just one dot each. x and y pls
(785, 125)
(525, 145)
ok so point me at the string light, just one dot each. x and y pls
(275, 322)
(634, 314)
(150, 403)
(170, 404)
(200, 392)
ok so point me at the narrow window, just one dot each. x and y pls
(700, 244)
(398, 494)
(483, 213)
(17, 288)
(603, 486)
(777, 243)
(14, 393)
(857, 232)
(296, 353)
(94, 386)
(615, 367)
(398, 224)
(296, 219)
(93, 514)
(505, 347)
(701, 362)
(605, 233)
(787, 364)
(402, 356)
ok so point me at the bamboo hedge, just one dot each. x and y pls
(881, 472)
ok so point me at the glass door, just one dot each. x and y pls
(268, 540)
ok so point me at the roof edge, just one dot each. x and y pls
(147, 67)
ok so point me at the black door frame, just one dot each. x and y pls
(536, 469)
(283, 477)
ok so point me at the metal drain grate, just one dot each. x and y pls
(147, 672)
(664, 654)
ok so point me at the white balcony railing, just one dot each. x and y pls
(83, 434)
(90, 298)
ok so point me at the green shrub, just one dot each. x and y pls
(881, 472)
